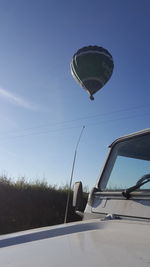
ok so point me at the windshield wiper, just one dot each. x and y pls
(143, 180)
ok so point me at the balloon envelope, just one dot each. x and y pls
(92, 67)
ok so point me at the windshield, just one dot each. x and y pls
(129, 160)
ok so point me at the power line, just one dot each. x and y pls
(121, 118)
(40, 133)
(52, 124)
(75, 127)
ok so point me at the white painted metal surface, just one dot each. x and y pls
(90, 243)
(132, 208)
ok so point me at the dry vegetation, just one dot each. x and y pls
(26, 205)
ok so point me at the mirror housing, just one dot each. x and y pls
(78, 196)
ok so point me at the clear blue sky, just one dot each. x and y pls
(42, 109)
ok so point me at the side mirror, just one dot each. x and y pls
(77, 196)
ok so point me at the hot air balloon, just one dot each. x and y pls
(92, 67)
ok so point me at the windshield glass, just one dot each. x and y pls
(129, 161)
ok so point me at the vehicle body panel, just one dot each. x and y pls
(121, 207)
(90, 243)
(118, 236)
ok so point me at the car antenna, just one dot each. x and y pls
(72, 171)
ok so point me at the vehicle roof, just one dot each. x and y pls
(130, 136)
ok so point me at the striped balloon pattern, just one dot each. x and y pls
(92, 67)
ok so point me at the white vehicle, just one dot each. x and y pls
(115, 230)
